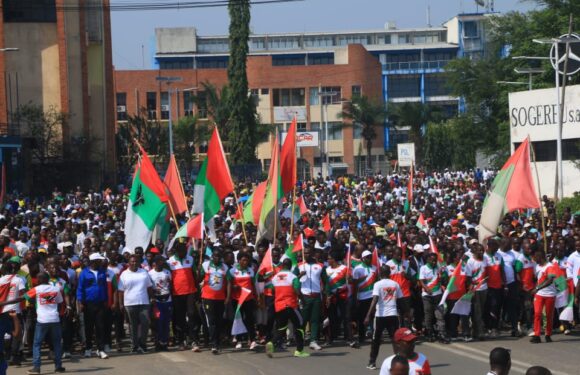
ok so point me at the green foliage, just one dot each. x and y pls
(215, 101)
(572, 202)
(368, 114)
(438, 146)
(465, 135)
(243, 119)
(188, 133)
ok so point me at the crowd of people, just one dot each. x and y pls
(383, 265)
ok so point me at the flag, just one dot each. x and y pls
(288, 159)
(267, 264)
(400, 245)
(302, 205)
(346, 260)
(325, 222)
(238, 326)
(214, 181)
(422, 224)
(453, 284)
(147, 202)
(273, 194)
(192, 229)
(172, 182)
(375, 261)
(435, 250)
(463, 305)
(409, 199)
(512, 189)
(350, 204)
(253, 205)
(309, 232)
(298, 244)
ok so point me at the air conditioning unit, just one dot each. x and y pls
(121, 108)
(165, 108)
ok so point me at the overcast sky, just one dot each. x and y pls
(134, 31)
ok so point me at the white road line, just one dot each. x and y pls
(482, 356)
(173, 357)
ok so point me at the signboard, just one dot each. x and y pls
(535, 113)
(573, 57)
(406, 154)
(304, 139)
(286, 114)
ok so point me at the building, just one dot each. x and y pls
(292, 66)
(63, 61)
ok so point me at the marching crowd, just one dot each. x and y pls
(387, 263)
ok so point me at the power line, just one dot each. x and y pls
(137, 6)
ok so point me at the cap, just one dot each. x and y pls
(14, 259)
(5, 232)
(366, 253)
(96, 256)
(527, 225)
(404, 334)
(472, 241)
(154, 250)
(418, 248)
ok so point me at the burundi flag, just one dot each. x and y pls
(422, 223)
(512, 189)
(268, 220)
(253, 206)
(453, 284)
(147, 202)
(238, 326)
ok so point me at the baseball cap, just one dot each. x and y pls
(418, 248)
(96, 256)
(366, 253)
(404, 334)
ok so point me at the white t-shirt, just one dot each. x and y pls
(417, 366)
(542, 274)
(134, 285)
(432, 278)
(17, 285)
(478, 274)
(387, 291)
(47, 297)
(161, 282)
(509, 258)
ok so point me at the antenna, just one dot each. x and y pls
(428, 16)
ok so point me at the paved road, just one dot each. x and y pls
(562, 357)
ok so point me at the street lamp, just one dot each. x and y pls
(169, 81)
(324, 103)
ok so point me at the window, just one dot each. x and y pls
(436, 85)
(151, 105)
(344, 40)
(288, 97)
(403, 38)
(384, 39)
(165, 105)
(318, 41)
(470, 29)
(213, 45)
(546, 150)
(335, 159)
(255, 94)
(257, 44)
(176, 64)
(356, 91)
(334, 130)
(283, 43)
(321, 59)
(29, 10)
(121, 106)
(357, 131)
(265, 91)
(288, 60)
(301, 127)
(404, 86)
(213, 63)
(188, 103)
(330, 95)
(201, 104)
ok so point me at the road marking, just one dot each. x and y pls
(173, 357)
(482, 356)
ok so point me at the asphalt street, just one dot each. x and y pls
(562, 357)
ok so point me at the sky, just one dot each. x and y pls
(134, 31)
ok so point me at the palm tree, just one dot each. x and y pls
(215, 102)
(189, 132)
(368, 114)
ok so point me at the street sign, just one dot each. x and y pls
(573, 56)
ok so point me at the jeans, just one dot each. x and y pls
(492, 308)
(139, 322)
(510, 305)
(311, 314)
(186, 318)
(362, 309)
(54, 331)
(433, 310)
(339, 312)
(94, 314)
(165, 310)
(391, 324)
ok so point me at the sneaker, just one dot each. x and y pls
(301, 354)
(214, 350)
(536, 340)
(60, 370)
(33, 371)
(531, 333)
(144, 350)
(562, 328)
(354, 345)
(372, 366)
(66, 355)
(494, 333)
(444, 340)
(239, 345)
(269, 349)
(253, 345)
(467, 339)
(107, 349)
(195, 347)
(140, 350)
(567, 332)
(454, 339)
(102, 354)
(548, 338)
(314, 346)
(88, 354)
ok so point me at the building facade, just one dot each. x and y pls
(62, 60)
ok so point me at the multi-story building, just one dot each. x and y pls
(57, 54)
(286, 72)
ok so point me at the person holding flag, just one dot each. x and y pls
(265, 275)
(364, 276)
(337, 299)
(213, 295)
(239, 277)
(544, 296)
(430, 280)
(312, 277)
(495, 283)
(402, 275)
(478, 268)
(459, 283)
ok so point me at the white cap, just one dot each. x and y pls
(366, 253)
(418, 248)
(96, 256)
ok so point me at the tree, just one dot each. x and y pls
(438, 146)
(243, 118)
(45, 130)
(189, 133)
(368, 114)
(215, 101)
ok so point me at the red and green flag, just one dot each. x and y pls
(409, 199)
(192, 229)
(325, 223)
(253, 206)
(435, 250)
(422, 223)
(453, 284)
(238, 326)
(288, 159)
(268, 220)
(512, 189)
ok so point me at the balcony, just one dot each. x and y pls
(415, 65)
(9, 130)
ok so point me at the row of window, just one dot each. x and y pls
(284, 60)
(546, 150)
(296, 97)
(151, 105)
(409, 85)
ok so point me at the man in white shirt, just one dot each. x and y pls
(510, 301)
(386, 292)
(135, 294)
(310, 274)
(477, 266)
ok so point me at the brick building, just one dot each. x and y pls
(281, 91)
(59, 56)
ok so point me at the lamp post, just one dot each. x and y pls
(324, 103)
(168, 81)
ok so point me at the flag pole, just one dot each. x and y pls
(173, 214)
(241, 213)
(540, 194)
(182, 191)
